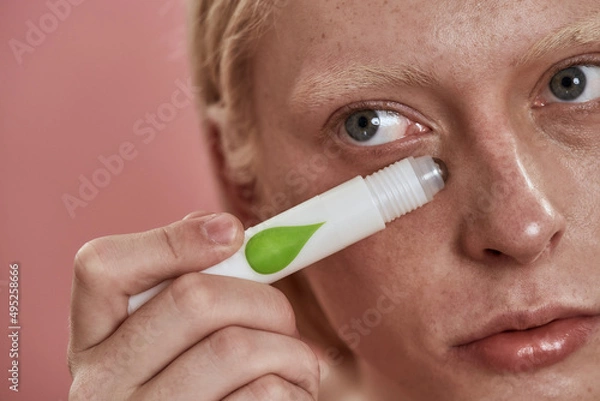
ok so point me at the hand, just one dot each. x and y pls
(204, 337)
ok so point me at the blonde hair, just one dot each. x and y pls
(223, 36)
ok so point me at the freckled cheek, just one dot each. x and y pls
(389, 287)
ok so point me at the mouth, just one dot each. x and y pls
(527, 341)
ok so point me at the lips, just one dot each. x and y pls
(527, 341)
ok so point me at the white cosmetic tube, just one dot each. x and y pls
(326, 223)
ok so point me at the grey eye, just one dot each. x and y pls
(363, 125)
(372, 127)
(568, 84)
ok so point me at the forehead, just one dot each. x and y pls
(444, 36)
(460, 24)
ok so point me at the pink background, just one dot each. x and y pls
(70, 99)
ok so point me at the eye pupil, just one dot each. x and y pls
(363, 122)
(363, 125)
(568, 84)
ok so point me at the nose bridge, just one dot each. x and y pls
(509, 215)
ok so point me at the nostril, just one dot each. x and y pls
(493, 252)
(556, 239)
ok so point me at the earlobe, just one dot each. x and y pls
(235, 197)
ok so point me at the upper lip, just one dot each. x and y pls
(523, 320)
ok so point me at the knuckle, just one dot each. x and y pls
(169, 238)
(181, 239)
(310, 357)
(192, 295)
(72, 362)
(77, 391)
(89, 262)
(85, 389)
(98, 381)
(231, 344)
(312, 368)
(271, 387)
(282, 309)
(183, 233)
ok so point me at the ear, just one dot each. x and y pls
(236, 198)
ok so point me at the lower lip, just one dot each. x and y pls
(527, 350)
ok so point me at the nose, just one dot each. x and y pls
(510, 217)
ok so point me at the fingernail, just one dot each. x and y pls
(194, 215)
(221, 229)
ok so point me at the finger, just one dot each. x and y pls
(270, 388)
(109, 269)
(192, 308)
(231, 359)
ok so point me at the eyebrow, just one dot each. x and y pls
(583, 32)
(336, 81)
(316, 90)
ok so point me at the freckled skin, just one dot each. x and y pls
(518, 225)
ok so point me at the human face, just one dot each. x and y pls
(511, 243)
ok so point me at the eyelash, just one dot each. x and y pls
(345, 112)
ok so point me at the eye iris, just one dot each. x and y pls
(363, 125)
(568, 84)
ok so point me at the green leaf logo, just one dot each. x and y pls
(271, 250)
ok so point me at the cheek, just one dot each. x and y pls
(292, 169)
(389, 297)
(569, 143)
(390, 289)
(575, 171)
(574, 126)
